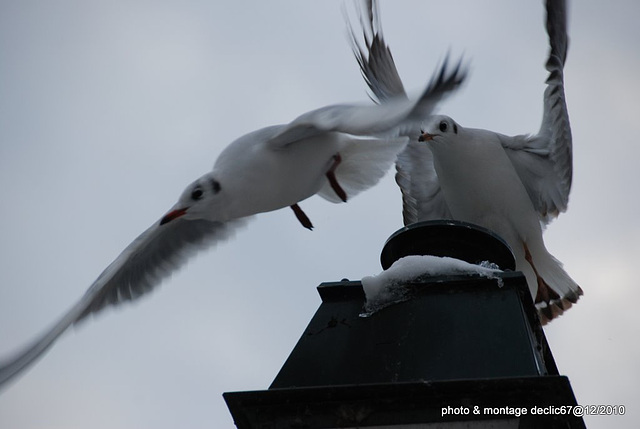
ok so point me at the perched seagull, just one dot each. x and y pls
(335, 152)
(511, 185)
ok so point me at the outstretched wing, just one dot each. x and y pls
(153, 256)
(544, 161)
(358, 120)
(376, 62)
(422, 198)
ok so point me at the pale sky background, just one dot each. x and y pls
(108, 109)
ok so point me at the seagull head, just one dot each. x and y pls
(439, 126)
(198, 200)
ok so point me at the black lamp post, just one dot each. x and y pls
(464, 351)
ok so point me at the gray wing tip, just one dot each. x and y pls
(555, 122)
(556, 25)
(20, 362)
(409, 204)
(373, 55)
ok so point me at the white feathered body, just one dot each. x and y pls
(481, 186)
(257, 176)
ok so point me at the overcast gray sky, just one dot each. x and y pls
(108, 109)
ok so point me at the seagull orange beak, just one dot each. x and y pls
(426, 137)
(174, 214)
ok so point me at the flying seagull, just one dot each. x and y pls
(335, 152)
(513, 185)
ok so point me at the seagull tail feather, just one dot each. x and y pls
(556, 290)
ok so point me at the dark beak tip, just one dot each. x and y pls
(172, 215)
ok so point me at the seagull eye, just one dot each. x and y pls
(196, 194)
(443, 126)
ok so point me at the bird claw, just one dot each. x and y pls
(302, 217)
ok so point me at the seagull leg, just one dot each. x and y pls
(331, 175)
(302, 217)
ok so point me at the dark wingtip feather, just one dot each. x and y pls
(557, 29)
(445, 80)
(374, 58)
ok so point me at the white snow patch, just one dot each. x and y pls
(387, 288)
